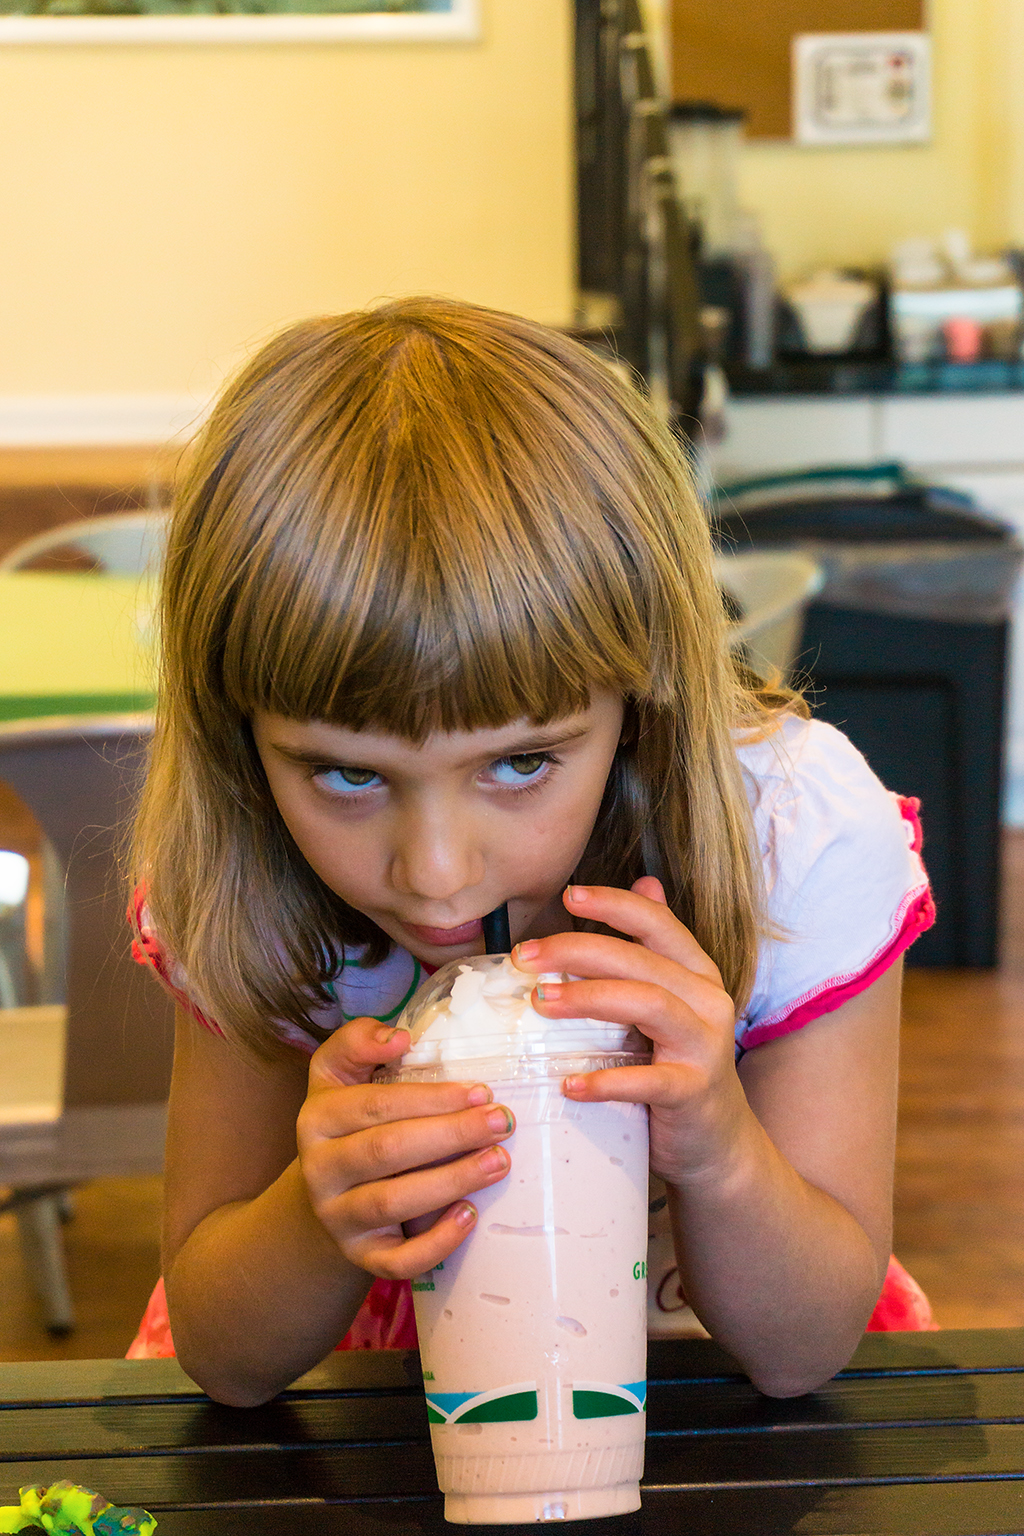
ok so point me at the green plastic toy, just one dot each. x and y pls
(65, 1509)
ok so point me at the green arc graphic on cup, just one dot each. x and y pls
(517, 1403)
(600, 1400)
(503, 1405)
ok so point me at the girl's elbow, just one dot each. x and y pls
(231, 1398)
(233, 1389)
(790, 1383)
(800, 1374)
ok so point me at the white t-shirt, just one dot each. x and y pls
(846, 888)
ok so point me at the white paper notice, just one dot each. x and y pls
(861, 87)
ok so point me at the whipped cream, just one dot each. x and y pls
(481, 1007)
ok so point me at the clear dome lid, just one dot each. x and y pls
(481, 1007)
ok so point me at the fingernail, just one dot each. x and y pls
(494, 1160)
(464, 1214)
(549, 991)
(573, 1084)
(577, 893)
(385, 1036)
(501, 1120)
(527, 949)
(479, 1094)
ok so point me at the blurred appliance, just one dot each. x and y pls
(735, 270)
(705, 140)
(905, 650)
(636, 263)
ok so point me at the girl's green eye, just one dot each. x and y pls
(344, 780)
(521, 766)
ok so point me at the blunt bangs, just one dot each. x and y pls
(440, 633)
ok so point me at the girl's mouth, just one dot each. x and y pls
(466, 933)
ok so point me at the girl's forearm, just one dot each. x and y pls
(778, 1271)
(259, 1293)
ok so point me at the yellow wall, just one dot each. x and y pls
(164, 207)
(847, 206)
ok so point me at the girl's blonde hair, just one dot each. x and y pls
(431, 516)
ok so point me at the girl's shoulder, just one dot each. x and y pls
(380, 991)
(846, 890)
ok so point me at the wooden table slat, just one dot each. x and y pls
(933, 1509)
(36, 1381)
(968, 1349)
(103, 1429)
(950, 1509)
(925, 1453)
(169, 1423)
(993, 1508)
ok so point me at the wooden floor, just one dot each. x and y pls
(113, 1250)
(960, 1169)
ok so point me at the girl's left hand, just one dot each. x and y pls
(668, 988)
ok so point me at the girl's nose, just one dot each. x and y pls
(436, 857)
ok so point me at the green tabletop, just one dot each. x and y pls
(76, 644)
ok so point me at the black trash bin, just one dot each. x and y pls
(905, 649)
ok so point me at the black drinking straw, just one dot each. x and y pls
(497, 939)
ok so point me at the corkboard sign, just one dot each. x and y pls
(737, 52)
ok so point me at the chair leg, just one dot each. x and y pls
(42, 1247)
(8, 991)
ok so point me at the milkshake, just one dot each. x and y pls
(533, 1333)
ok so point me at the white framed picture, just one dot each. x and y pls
(862, 88)
(238, 21)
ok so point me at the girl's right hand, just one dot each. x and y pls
(375, 1155)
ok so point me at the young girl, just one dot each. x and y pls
(441, 632)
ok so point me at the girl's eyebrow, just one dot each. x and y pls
(538, 741)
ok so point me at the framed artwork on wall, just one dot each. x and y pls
(238, 21)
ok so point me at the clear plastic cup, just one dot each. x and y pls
(533, 1333)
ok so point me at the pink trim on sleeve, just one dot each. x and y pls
(147, 950)
(915, 914)
(910, 810)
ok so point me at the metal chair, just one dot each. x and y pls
(120, 543)
(13, 887)
(83, 1079)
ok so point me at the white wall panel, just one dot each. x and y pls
(766, 435)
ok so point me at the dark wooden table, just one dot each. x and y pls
(924, 1433)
